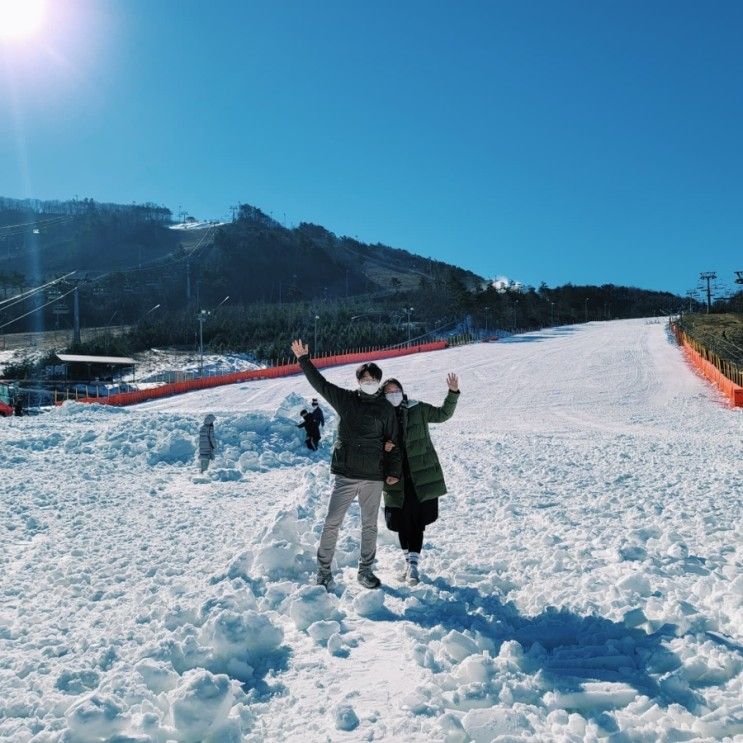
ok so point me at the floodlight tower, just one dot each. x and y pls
(739, 277)
(708, 276)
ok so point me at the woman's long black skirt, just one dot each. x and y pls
(414, 515)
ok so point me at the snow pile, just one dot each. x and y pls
(247, 442)
(313, 606)
(345, 718)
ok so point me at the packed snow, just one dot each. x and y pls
(583, 581)
(161, 365)
(196, 224)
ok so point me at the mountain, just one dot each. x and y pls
(254, 258)
(132, 260)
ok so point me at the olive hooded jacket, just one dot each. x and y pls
(425, 470)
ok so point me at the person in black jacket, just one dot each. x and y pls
(366, 422)
(317, 413)
(311, 430)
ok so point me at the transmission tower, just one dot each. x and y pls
(708, 276)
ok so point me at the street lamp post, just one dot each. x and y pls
(152, 309)
(203, 314)
(201, 317)
(317, 317)
(586, 308)
(552, 313)
(408, 310)
(487, 312)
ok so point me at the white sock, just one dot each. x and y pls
(413, 557)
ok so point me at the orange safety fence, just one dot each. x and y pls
(285, 370)
(733, 391)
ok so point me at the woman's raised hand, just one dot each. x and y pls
(453, 381)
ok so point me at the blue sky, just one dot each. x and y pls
(592, 142)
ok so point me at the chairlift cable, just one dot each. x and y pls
(16, 319)
(6, 303)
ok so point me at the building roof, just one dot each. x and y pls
(69, 358)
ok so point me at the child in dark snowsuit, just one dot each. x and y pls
(311, 429)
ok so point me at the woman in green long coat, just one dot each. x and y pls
(413, 502)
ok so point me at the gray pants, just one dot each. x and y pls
(369, 493)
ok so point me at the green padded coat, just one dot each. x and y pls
(425, 470)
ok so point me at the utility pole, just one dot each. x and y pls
(691, 294)
(317, 317)
(408, 310)
(76, 316)
(708, 276)
(487, 312)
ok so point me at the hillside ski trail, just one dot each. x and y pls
(584, 581)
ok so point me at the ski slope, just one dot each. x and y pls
(583, 581)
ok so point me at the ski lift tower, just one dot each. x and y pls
(708, 276)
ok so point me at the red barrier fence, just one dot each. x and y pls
(708, 369)
(285, 370)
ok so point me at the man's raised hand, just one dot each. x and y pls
(452, 380)
(299, 348)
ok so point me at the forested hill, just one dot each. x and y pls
(253, 258)
(41, 239)
(281, 282)
(256, 258)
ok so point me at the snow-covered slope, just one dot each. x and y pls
(583, 582)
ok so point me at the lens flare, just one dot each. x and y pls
(20, 18)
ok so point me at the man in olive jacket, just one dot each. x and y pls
(359, 463)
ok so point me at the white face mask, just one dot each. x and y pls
(369, 388)
(394, 398)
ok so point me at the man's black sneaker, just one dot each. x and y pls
(368, 579)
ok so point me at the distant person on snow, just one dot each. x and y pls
(317, 413)
(359, 462)
(413, 503)
(207, 442)
(311, 430)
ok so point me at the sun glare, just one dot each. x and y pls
(20, 18)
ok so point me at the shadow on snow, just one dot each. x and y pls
(573, 648)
